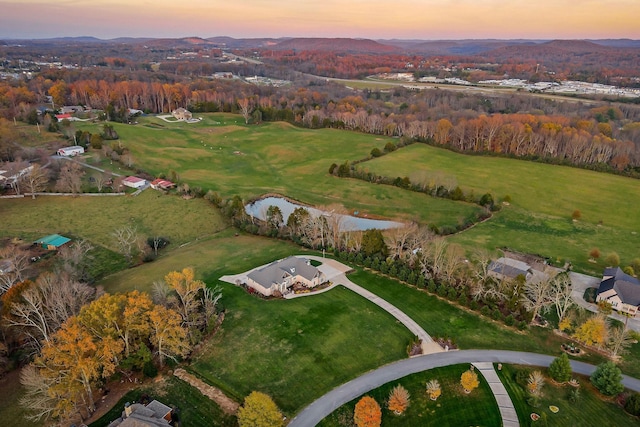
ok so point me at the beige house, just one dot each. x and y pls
(281, 275)
(182, 114)
(620, 290)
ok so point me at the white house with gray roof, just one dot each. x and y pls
(281, 275)
(620, 290)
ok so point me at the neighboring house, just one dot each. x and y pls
(509, 268)
(71, 151)
(155, 414)
(6, 266)
(619, 289)
(71, 109)
(182, 114)
(134, 182)
(8, 181)
(281, 275)
(53, 242)
(161, 184)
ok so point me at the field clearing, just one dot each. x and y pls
(96, 218)
(453, 407)
(250, 161)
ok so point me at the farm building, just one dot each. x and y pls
(71, 151)
(69, 109)
(161, 184)
(182, 114)
(53, 242)
(281, 275)
(134, 182)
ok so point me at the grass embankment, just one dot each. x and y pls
(453, 407)
(590, 409)
(543, 199)
(222, 154)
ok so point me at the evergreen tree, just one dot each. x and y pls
(560, 368)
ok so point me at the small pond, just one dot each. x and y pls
(259, 208)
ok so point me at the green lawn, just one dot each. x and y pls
(297, 350)
(96, 218)
(543, 198)
(453, 407)
(222, 154)
(591, 409)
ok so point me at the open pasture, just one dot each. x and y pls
(222, 154)
(543, 199)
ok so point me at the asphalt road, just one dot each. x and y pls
(325, 405)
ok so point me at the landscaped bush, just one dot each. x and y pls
(632, 405)
(560, 368)
(509, 320)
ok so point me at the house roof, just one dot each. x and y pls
(627, 287)
(159, 182)
(277, 271)
(53, 240)
(510, 267)
(160, 410)
(133, 179)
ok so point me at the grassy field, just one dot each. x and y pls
(453, 407)
(297, 350)
(95, 218)
(222, 154)
(591, 409)
(543, 198)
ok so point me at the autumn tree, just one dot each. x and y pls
(398, 399)
(576, 215)
(168, 337)
(560, 369)
(469, 381)
(612, 259)
(433, 389)
(593, 331)
(607, 378)
(367, 413)
(594, 253)
(259, 410)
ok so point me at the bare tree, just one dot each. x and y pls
(73, 259)
(246, 107)
(210, 298)
(101, 179)
(70, 179)
(560, 294)
(36, 179)
(126, 238)
(619, 340)
(536, 297)
(37, 399)
(17, 261)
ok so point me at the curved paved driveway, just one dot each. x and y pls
(325, 405)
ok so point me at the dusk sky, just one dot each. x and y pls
(405, 19)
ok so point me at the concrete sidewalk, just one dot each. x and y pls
(505, 405)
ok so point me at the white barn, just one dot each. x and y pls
(71, 151)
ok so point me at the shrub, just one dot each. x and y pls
(473, 305)
(442, 290)
(149, 370)
(535, 382)
(433, 389)
(469, 381)
(496, 314)
(632, 405)
(509, 320)
(398, 399)
(560, 368)
(431, 287)
(376, 152)
(594, 253)
(367, 413)
(485, 310)
(574, 395)
(607, 378)
(452, 293)
(612, 259)
(576, 215)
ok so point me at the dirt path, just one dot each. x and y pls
(229, 406)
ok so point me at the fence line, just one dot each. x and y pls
(72, 194)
